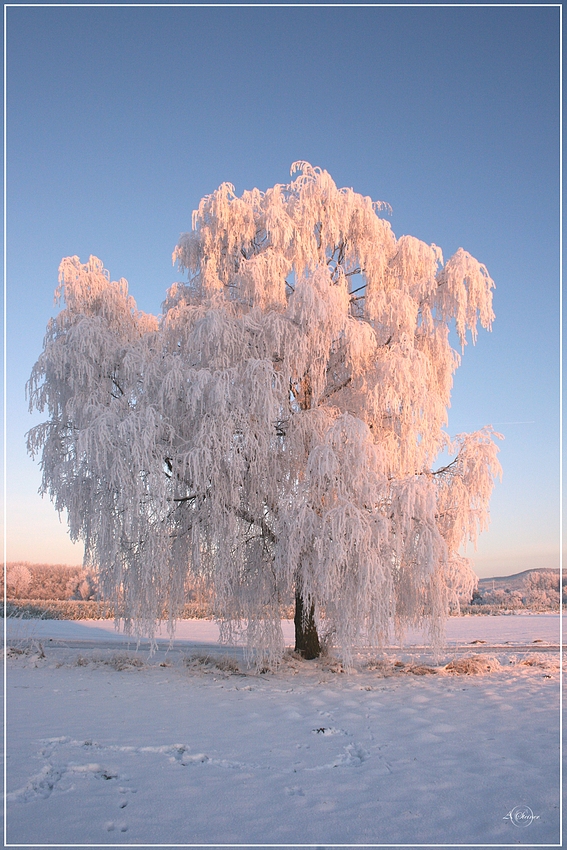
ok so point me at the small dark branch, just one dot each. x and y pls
(252, 538)
(444, 469)
(334, 257)
(118, 387)
(261, 237)
(332, 390)
(267, 532)
(354, 291)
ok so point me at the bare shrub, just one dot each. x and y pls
(229, 665)
(123, 661)
(539, 661)
(30, 648)
(386, 668)
(420, 670)
(473, 665)
(333, 665)
(117, 661)
(379, 665)
(211, 663)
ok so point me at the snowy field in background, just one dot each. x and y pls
(107, 745)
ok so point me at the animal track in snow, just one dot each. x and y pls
(329, 730)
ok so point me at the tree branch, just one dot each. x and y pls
(333, 390)
(445, 468)
(267, 532)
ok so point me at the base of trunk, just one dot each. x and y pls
(306, 637)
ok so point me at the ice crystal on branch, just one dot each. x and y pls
(274, 430)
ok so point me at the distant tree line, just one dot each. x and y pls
(64, 583)
(49, 581)
(541, 590)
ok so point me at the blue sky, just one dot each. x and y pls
(119, 119)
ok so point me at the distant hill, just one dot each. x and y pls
(536, 590)
(517, 581)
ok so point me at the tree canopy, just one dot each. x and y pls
(274, 431)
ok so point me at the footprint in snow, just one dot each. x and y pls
(110, 826)
(50, 744)
(182, 755)
(197, 758)
(353, 756)
(42, 784)
(39, 785)
(296, 791)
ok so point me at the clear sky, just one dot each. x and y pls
(119, 119)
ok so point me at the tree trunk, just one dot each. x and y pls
(306, 637)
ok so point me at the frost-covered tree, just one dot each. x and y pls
(18, 578)
(275, 430)
(542, 589)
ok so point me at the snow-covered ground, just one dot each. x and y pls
(109, 745)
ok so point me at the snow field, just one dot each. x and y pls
(107, 745)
